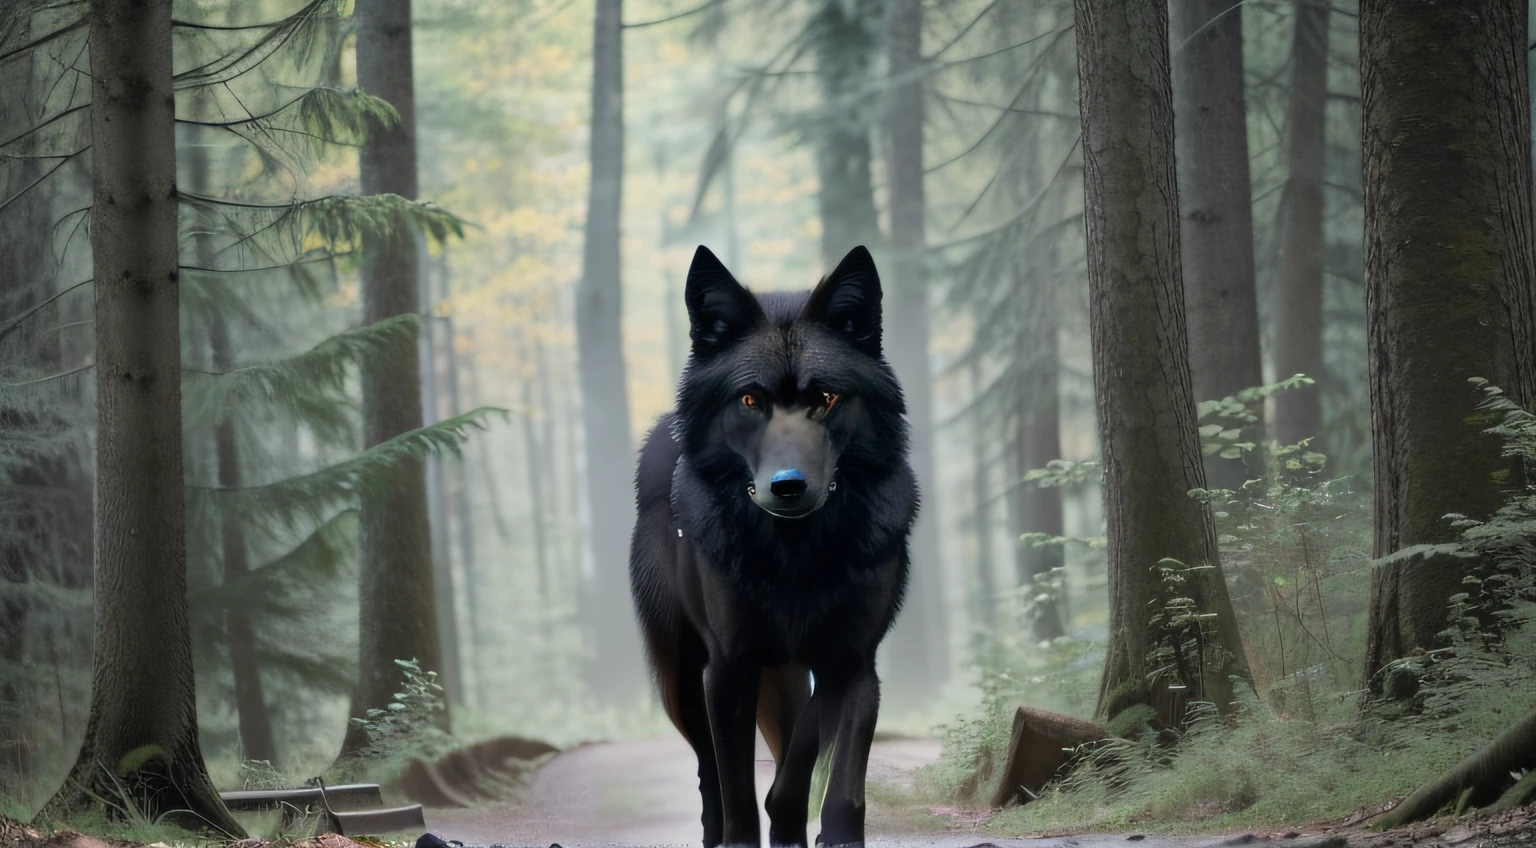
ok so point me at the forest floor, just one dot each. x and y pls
(645, 793)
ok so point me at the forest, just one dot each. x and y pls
(330, 332)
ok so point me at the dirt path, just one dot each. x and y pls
(637, 793)
(645, 793)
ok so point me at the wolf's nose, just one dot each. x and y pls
(788, 483)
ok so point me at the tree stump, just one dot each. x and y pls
(1041, 743)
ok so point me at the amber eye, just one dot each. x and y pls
(749, 401)
(827, 400)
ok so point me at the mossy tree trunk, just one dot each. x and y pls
(397, 591)
(143, 720)
(1298, 335)
(847, 52)
(1146, 409)
(1216, 215)
(1449, 284)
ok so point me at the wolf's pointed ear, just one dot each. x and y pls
(719, 309)
(848, 301)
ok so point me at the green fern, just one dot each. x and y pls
(308, 498)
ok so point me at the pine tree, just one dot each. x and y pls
(920, 636)
(1450, 280)
(398, 593)
(1298, 330)
(617, 674)
(1215, 216)
(142, 733)
(1146, 409)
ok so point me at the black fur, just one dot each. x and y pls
(737, 603)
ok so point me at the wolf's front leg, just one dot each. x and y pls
(730, 693)
(788, 802)
(857, 708)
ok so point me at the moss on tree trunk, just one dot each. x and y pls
(1449, 283)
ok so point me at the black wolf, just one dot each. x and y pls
(769, 557)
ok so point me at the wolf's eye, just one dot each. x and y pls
(749, 401)
(827, 399)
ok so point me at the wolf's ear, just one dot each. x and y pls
(848, 301)
(719, 308)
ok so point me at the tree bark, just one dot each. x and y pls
(617, 674)
(1146, 408)
(920, 636)
(1299, 308)
(143, 726)
(1449, 279)
(1216, 215)
(1034, 509)
(398, 613)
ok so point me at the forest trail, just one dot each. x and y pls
(645, 793)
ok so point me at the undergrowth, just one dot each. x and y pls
(1295, 551)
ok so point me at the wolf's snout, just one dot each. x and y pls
(788, 483)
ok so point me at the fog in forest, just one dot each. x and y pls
(1215, 388)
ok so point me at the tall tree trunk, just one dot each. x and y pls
(985, 605)
(256, 739)
(1216, 214)
(439, 519)
(1032, 508)
(253, 719)
(1146, 408)
(920, 637)
(617, 674)
(1449, 284)
(398, 607)
(458, 503)
(845, 46)
(1299, 313)
(143, 726)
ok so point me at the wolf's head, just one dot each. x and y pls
(786, 395)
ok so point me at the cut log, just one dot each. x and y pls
(1041, 743)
